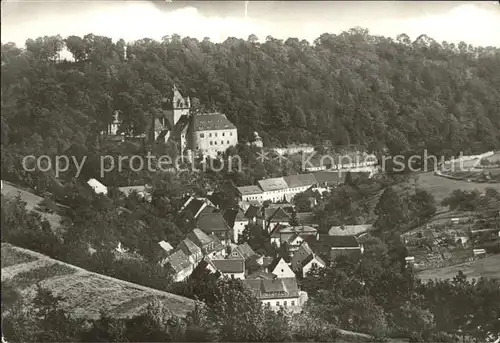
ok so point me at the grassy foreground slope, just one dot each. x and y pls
(84, 293)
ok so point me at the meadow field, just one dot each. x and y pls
(84, 294)
(486, 267)
(442, 187)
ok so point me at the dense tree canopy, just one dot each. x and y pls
(350, 88)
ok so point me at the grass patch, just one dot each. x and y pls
(487, 267)
(27, 279)
(442, 187)
(12, 257)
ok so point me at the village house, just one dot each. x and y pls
(97, 187)
(278, 293)
(254, 215)
(298, 184)
(285, 188)
(213, 224)
(192, 209)
(232, 268)
(304, 259)
(341, 245)
(293, 236)
(281, 269)
(243, 251)
(276, 217)
(167, 247)
(179, 263)
(250, 193)
(189, 253)
(192, 251)
(236, 221)
(210, 245)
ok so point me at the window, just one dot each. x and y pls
(223, 134)
(202, 135)
(221, 142)
(197, 147)
(293, 303)
(210, 142)
(227, 142)
(215, 142)
(215, 134)
(277, 303)
(230, 133)
(210, 135)
(285, 304)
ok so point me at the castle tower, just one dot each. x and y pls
(180, 106)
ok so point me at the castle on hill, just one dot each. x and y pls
(208, 133)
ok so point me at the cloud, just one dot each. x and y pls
(474, 23)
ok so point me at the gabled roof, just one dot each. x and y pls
(231, 216)
(311, 257)
(178, 260)
(212, 222)
(230, 266)
(339, 241)
(279, 216)
(199, 238)
(273, 289)
(292, 238)
(212, 121)
(300, 180)
(166, 246)
(249, 190)
(189, 248)
(349, 230)
(270, 210)
(274, 184)
(245, 250)
(158, 125)
(261, 275)
(193, 207)
(206, 210)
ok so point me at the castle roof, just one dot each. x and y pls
(212, 121)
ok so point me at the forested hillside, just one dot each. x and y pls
(351, 88)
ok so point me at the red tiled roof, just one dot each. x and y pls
(230, 265)
(178, 260)
(212, 222)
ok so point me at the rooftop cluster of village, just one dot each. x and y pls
(215, 243)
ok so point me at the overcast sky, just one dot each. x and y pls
(475, 23)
